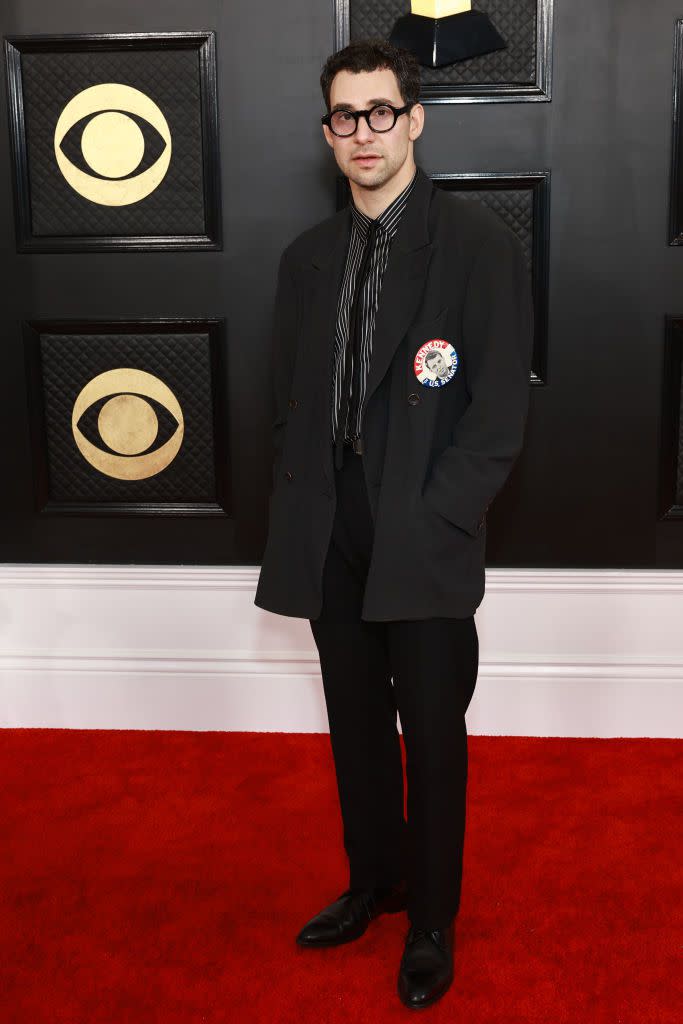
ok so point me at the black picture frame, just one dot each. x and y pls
(538, 183)
(676, 177)
(204, 42)
(671, 432)
(540, 90)
(44, 505)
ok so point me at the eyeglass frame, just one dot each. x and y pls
(357, 114)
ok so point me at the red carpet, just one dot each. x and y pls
(161, 877)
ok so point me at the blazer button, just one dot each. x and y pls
(413, 398)
(288, 475)
(293, 403)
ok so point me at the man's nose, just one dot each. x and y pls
(364, 132)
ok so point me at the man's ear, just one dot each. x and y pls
(417, 120)
(329, 136)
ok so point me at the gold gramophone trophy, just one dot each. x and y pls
(442, 32)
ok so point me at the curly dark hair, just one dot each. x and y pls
(370, 55)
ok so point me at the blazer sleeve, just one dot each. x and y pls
(496, 343)
(283, 355)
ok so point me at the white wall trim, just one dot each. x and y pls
(562, 652)
(593, 581)
(284, 662)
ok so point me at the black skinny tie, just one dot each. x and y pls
(353, 345)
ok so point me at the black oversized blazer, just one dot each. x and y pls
(435, 456)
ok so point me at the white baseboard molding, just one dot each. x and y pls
(562, 653)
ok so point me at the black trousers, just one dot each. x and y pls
(434, 665)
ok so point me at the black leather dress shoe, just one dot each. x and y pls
(426, 970)
(348, 917)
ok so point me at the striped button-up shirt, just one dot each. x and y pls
(387, 225)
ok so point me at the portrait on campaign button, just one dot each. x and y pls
(435, 363)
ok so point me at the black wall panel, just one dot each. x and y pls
(587, 491)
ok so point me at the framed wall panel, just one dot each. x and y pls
(114, 141)
(127, 417)
(521, 72)
(671, 432)
(522, 201)
(676, 181)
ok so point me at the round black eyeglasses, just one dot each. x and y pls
(380, 118)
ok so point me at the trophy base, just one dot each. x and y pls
(439, 41)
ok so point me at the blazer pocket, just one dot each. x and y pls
(447, 550)
(440, 517)
(473, 533)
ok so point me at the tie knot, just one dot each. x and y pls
(371, 232)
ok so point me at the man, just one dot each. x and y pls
(382, 476)
(436, 364)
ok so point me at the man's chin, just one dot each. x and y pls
(370, 177)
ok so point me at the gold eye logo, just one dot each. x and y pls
(127, 423)
(112, 144)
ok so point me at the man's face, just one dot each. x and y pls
(437, 364)
(368, 158)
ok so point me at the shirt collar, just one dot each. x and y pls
(388, 218)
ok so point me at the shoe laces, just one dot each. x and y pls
(415, 934)
(360, 896)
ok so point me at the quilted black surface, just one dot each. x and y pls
(170, 78)
(515, 206)
(181, 361)
(679, 439)
(514, 19)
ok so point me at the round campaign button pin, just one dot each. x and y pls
(435, 363)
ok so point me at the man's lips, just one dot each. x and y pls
(367, 156)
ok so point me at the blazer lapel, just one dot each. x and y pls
(328, 266)
(403, 283)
